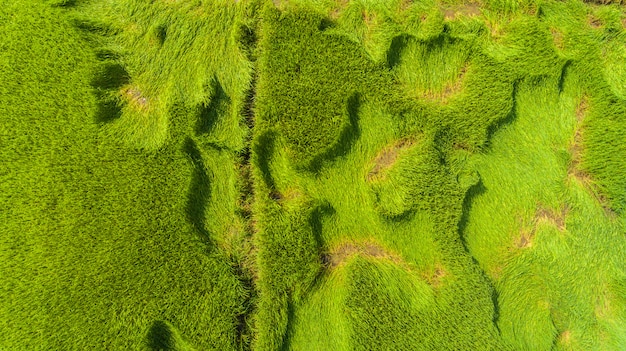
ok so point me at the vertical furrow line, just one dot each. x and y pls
(245, 263)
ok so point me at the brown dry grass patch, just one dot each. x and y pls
(565, 338)
(135, 97)
(465, 10)
(369, 18)
(496, 272)
(576, 149)
(288, 195)
(556, 218)
(405, 4)
(449, 90)
(604, 306)
(388, 157)
(557, 38)
(435, 277)
(338, 9)
(525, 239)
(594, 22)
(496, 30)
(369, 249)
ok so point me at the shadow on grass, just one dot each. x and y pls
(509, 119)
(474, 191)
(291, 315)
(108, 108)
(209, 114)
(199, 190)
(109, 77)
(315, 221)
(403, 217)
(63, 3)
(564, 73)
(317, 215)
(264, 149)
(395, 50)
(347, 138)
(247, 39)
(161, 337)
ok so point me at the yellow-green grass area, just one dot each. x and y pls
(312, 175)
(546, 223)
(426, 177)
(124, 232)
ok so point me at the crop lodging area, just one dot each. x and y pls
(260, 175)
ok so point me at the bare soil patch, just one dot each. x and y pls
(388, 157)
(369, 249)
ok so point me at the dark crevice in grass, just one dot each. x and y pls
(319, 213)
(248, 39)
(347, 138)
(326, 23)
(244, 327)
(244, 267)
(474, 191)
(199, 190)
(248, 112)
(325, 209)
(160, 33)
(403, 217)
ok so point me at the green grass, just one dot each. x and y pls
(312, 175)
(105, 246)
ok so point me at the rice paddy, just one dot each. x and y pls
(313, 175)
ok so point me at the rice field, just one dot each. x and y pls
(313, 175)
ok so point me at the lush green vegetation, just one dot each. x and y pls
(313, 175)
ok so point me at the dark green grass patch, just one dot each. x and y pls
(103, 246)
